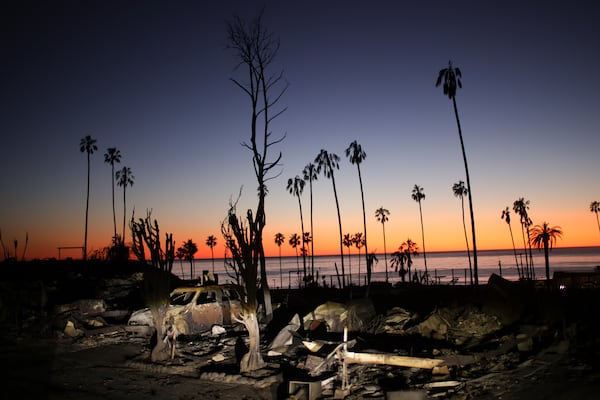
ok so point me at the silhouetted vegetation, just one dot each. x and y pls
(460, 190)
(382, 216)
(506, 217)
(545, 236)
(327, 163)
(112, 156)
(87, 145)
(451, 78)
(295, 187)
(418, 195)
(520, 207)
(357, 155)
(255, 49)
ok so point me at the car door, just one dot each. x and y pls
(207, 310)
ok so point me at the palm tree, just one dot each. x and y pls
(460, 190)
(124, 178)
(595, 208)
(180, 254)
(357, 155)
(398, 260)
(211, 241)
(451, 77)
(87, 145)
(328, 163)
(348, 242)
(544, 235)
(295, 242)
(279, 239)
(382, 216)
(296, 187)
(418, 195)
(520, 207)
(359, 241)
(506, 216)
(187, 250)
(408, 249)
(112, 156)
(309, 173)
(306, 239)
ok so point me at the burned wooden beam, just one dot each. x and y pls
(390, 359)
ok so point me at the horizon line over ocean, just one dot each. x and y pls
(443, 266)
(584, 248)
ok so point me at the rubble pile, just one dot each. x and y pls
(362, 348)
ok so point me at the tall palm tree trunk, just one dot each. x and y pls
(512, 239)
(525, 269)
(302, 239)
(280, 270)
(312, 235)
(547, 259)
(530, 254)
(337, 204)
(362, 196)
(464, 154)
(124, 209)
(462, 205)
(87, 206)
(423, 239)
(385, 254)
(113, 203)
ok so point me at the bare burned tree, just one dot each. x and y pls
(145, 232)
(255, 50)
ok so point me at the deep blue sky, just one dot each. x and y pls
(152, 78)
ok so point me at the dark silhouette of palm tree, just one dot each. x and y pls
(179, 254)
(418, 195)
(506, 216)
(211, 241)
(545, 236)
(309, 173)
(124, 178)
(460, 190)
(328, 163)
(307, 239)
(520, 207)
(357, 155)
(408, 250)
(359, 241)
(279, 239)
(87, 145)
(112, 156)
(595, 208)
(295, 242)
(348, 242)
(382, 216)
(188, 250)
(398, 260)
(451, 77)
(296, 187)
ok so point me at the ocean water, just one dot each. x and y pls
(442, 266)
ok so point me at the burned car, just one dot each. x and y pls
(193, 310)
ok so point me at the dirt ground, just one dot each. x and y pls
(45, 370)
(116, 367)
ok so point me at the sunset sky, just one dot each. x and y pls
(152, 78)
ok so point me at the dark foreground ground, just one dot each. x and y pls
(109, 362)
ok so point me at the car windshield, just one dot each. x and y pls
(182, 298)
